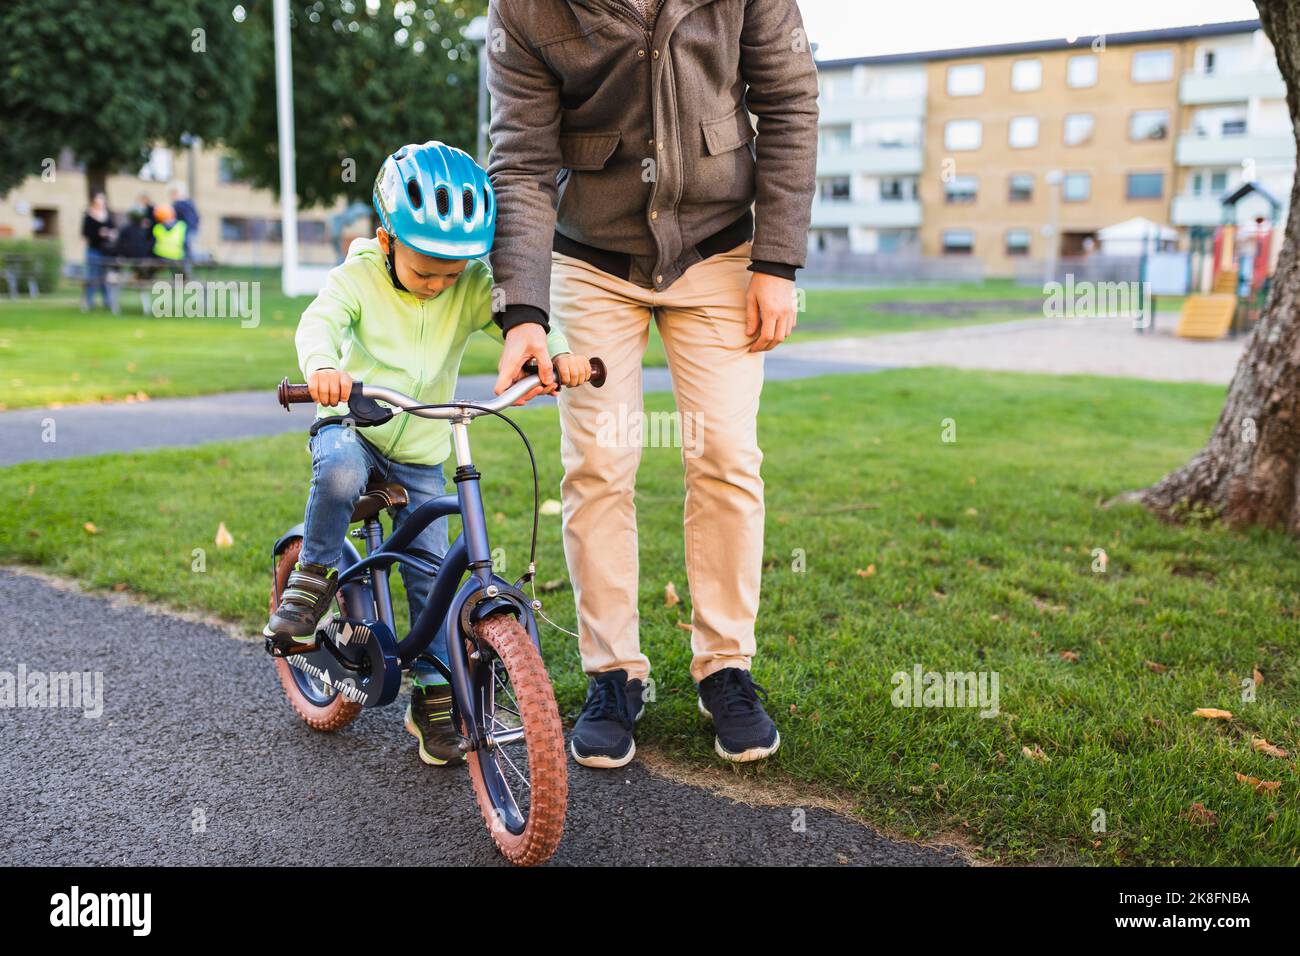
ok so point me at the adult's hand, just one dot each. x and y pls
(525, 342)
(769, 310)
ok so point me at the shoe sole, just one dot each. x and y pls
(425, 756)
(296, 638)
(601, 762)
(745, 756)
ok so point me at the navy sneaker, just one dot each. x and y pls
(730, 698)
(602, 737)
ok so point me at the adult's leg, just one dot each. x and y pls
(604, 316)
(717, 382)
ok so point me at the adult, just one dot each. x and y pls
(634, 117)
(168, 234)
(187, 213)
(97, 229)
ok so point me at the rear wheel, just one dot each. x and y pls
(322, 708)
(520, 774)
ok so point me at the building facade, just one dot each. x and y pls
(1028, 151)
(239, 225)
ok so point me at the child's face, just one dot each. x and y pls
(424, 276)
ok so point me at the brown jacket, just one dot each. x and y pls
(643, 141)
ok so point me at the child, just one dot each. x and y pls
(398, 312)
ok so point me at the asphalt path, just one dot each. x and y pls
(196, 759)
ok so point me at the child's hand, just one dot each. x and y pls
(329, 386)
(572, 369)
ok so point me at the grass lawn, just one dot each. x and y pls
(975, 555)
(56, 354)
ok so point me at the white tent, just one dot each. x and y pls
(1132, 237)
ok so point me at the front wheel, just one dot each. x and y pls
(520, 774)
(322, 708)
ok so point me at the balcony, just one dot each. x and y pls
(869, 159)
(1196, 150)
(845, 109)
(1198, 89)
(1196, 211)
(905, 214)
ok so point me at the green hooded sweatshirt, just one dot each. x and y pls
(360, 323)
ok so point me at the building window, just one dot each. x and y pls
(897, 190)
(1022, 132)
(1153, 66)
(1017, 242)
(1197, 182)
(1207, 63)
(1021, 187)
(1076, 187)
(1233, 127)
(966, 79)
(836, 139)
(891, 240)
(958, 242)
(835, 189)
(1078, 128)
(228, 171)
(1081, 70)
(1026, 75)
(1145, 185)
(1148, 124)
(962, 134)
(1218, 183)
(960, 190)
(312, 231)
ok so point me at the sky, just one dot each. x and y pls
(847, 28)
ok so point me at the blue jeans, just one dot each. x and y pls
(95, 279)
(342, 462)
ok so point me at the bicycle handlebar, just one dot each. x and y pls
(288, 394)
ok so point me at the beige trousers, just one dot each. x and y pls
(716, 383)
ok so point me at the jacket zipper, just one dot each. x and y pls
(419, 384)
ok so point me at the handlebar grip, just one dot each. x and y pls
(288, 394)
(598, 371)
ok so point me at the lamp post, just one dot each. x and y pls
(1051, 230)
(476, 33)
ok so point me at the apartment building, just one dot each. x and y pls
(869, 155)
(1028, 151)
(239, 225)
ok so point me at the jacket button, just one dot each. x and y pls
(659, 278)
(661, 145)
(640, 53)
(654, 213)
(655, 54)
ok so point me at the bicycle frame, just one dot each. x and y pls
(459, 605)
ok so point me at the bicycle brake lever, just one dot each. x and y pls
(366, 412)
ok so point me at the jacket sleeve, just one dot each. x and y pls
(776, 62)
(325, 323)
(525, 133)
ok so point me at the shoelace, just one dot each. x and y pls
(608, 698)
(739, 695)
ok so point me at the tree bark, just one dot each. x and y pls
(1248, 471)
(96, 180)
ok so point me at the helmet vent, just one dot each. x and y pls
(443, 200)
(467, 202)
(413, 191)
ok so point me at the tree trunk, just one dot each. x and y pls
(96, 180)
(1249, 471)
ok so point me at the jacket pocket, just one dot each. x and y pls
(728, 132)
(587, 150)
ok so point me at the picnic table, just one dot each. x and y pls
(20, 271)
(132, 275)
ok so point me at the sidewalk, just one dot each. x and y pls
(1055, 346)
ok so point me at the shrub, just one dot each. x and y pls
(44, 256)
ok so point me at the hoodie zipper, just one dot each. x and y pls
(419, 381)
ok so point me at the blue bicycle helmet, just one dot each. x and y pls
(437, 200)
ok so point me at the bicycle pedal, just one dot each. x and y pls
(281, 646)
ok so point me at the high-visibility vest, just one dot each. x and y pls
(169, 243)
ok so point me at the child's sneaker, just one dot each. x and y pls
(306, 598)
(428, 720)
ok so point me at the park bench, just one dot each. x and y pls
(131, 275)
(19, 272)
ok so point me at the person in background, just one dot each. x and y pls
(97, 229)
(135, 240)
(187, 213)
(168, 234)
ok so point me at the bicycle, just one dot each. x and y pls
(503, 702)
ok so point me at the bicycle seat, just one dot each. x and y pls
(378, 496)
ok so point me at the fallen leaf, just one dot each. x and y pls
(1201, 815)
(1260, 786)
(866, 572)
(789, 639)
(553, 585)
(224, 538)
(1264, 747)
(1212, 713)
(1069, 656)
(1035, 754)
(1259, 678)
(551, 507)
(1044, 606)
(120, 586)
(1158, 668)
(90, 528)
(670, 595)
(685, 627)
(971, 512)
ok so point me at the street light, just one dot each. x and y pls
(476, 32)
(1051, 230)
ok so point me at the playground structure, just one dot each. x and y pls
(1236, 270)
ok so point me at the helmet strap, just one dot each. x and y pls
(391, 261)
